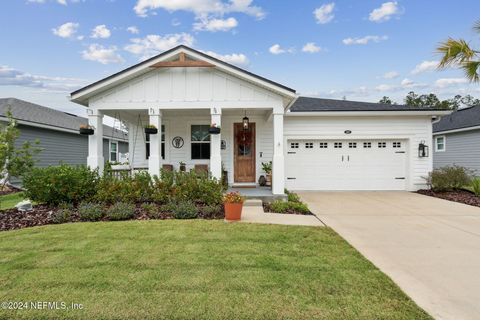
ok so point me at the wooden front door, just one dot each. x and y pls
(244, 153)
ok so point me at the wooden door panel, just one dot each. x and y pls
(244, 153)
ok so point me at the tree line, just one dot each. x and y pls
(432, 101)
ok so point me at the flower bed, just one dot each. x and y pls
(461, 196)
(293, 205)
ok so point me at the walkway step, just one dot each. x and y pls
(253, 203)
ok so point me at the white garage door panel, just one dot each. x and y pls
(353, 166)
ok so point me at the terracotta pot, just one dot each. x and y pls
(233, 211)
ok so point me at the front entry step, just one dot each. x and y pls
(253, 203)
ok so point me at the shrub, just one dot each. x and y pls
(197, 188)
(151, 210)
(185, 210)
(62, 215)
(89, 211)
(293, 197)
(476, 186)
(449, 178)
(57, 184)
(280, 206)
(121, 211)
(212, 211)
(136, 188)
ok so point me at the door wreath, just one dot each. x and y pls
(244, 137)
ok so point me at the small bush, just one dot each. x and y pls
(449, 178)
(62, 215)
(121, 211)
(476, 186)
(56, 184)
(211, 211)
(293, 197)
(185, 210)
(280, 206)
(169, 207)
(136, 188)
(89, 211)
(151, 210)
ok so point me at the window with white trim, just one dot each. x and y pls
(200, 142)
(308, 145)
(337, 145)
(113, 151)
(382, 145)
(367, 145)
(440, 143)
(397, 144)
(352, 145)
(294, 145)
(323, 145)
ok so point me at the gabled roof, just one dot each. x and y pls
(40, 115)
(311, 104)
(460, 119)
(82, 94)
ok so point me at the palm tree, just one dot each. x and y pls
(459, 53)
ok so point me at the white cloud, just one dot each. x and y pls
(384, 87)
(62, 2)
(310, 47)
(364, 40)
(324, 14)
(425, 66)
(100, 31)
(214, 25)
(390, 75)
(385, 12)
(153, 44)
(276, 49)
(448, 82)
(200, 7)
(133, 30)
(66, 30)
(13, 77)
(238, 59)
(104, 55)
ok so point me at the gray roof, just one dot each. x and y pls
(34, 113)
(310, 104)
(460, 119)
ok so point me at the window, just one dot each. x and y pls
(323, 145)
(397, 144)
(294, 145)
(147, 144)
(352, 145)
(308, 145)
(337, 145)
(440, 143)
(200, 139)
(367, 145)
(113, 151)
(382, 145)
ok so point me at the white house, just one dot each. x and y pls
(314, 144)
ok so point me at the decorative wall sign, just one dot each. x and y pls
(223, 145)
(177, 142)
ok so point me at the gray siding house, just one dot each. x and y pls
(58, 134)
(456, 140)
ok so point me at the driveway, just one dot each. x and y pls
(429, 247)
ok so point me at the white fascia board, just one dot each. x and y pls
(365, 113)
(456, 130)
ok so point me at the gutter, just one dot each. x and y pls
(368, 113)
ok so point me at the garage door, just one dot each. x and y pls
(345, 165)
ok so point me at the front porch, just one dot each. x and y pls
(184, 143)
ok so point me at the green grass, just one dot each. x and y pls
(194, 270)
(10, 200)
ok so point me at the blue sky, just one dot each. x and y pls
(358, 49)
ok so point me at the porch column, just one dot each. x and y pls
(155, 158)
(215, 142)
(95, 141)
(278, 166)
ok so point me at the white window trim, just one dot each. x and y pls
(110, 142)
(444, 144)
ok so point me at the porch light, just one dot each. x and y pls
(246, 122)
(422, 150)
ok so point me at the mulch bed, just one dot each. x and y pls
(461, 196)
(11, 219)
(268, 208)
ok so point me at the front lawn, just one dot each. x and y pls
(10, 200)
(194, 269)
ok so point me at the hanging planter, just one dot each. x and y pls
(151, 129)
(214, 129)
(85, 129)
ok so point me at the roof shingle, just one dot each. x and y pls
(463, 118)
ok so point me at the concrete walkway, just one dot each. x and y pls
(253, 213)
(429, 247)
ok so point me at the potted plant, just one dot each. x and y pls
(183, 166)
(86, 129)
(233, 203)
(151, 129)
(267, 168)
(214, 129)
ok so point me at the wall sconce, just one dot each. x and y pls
(246, 122)
(422, 150)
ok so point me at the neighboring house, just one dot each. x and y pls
(314, 144)
(457, 139)
(58, 134)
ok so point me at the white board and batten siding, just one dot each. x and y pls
(186, 88)
(365, 169)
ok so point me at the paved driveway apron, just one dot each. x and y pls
(429, 247)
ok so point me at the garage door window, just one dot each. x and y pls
(352, 145)
(308, 145)
(294, 145)
(367, 145)
(397, 144)
(337, 145)
(323, 145)
(382, 145)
